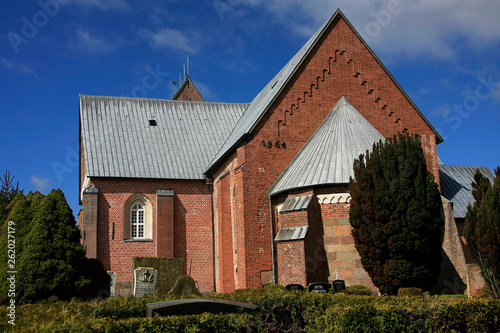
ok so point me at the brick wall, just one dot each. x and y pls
(192, 227)
(188, 92)
(291, 263)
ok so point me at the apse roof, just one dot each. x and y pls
(153, 138)
(456, 185)
(328, 156)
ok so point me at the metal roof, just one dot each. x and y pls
(272, 90)
(290, 234)
(456, 185)
(328, 156)
(118, 140)
(296, 203)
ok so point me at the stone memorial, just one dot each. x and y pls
(319, 287)
(112, 284)
(145, 279)
(294, 286)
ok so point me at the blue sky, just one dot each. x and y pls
(445, 54)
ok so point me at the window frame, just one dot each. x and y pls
(147, 217)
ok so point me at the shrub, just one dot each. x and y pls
(402, 292)
(396, 215)
(358, 290)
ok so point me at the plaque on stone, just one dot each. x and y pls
(319, 287)
(112, 283)
(145, 281)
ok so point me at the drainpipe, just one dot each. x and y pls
(272, 239)
(210, 184)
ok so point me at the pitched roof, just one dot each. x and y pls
(328, 156)
(456, 185)
(120, 142)
(263, 101)
(188, 92)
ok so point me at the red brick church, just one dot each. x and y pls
(254, 193)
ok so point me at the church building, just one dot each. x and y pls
(250, 194)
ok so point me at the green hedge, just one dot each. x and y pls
(282, 311)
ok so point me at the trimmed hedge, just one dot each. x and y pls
(282, 311)
(412, 291)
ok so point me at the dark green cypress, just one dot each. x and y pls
(482, 228)
(396, 215)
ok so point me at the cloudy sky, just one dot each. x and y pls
(445, 54)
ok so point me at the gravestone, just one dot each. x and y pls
(184, 286)
(145, 281)
(112, 283)
(198, 306)
(338, 286)
(294, 286)
(319, 287)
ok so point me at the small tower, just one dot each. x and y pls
(188, 92)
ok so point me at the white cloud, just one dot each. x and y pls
(18, 68)
(171, 38)
(88, 42)
(40, 184)
(104, 4)
(400, 28)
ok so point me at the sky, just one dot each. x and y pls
(445, 54)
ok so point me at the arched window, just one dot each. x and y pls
(137, 221)
(138, 224)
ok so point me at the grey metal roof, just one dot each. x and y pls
(290, 234)
(456, 185)
(328, 156)
(272, 90)
(296, 203)
(119, 142)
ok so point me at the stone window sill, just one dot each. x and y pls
(133, 240)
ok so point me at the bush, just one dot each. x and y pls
(396, 215)
(283, 312)
(358, 290)
(402, 292)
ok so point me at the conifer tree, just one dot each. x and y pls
(482, 228)
(396, 215)
(7, 193)
(49, 258)
(52, 253)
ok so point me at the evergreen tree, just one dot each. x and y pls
(50, 260)
(7, 193)
(482, 228)
(52, 254)
(396, 215)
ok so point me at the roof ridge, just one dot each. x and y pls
(143, 99)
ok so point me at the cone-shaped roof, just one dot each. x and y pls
(328, 156)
